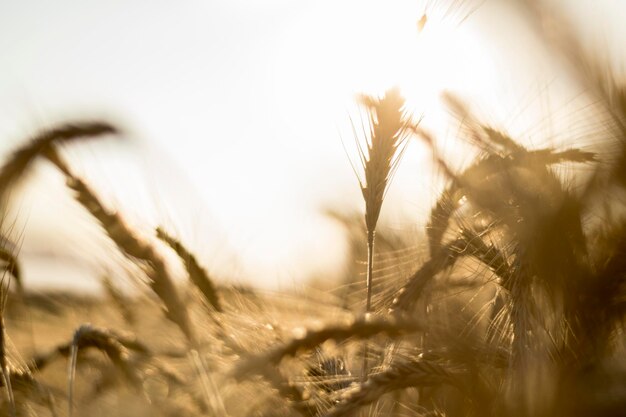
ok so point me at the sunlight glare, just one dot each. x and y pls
(367, 48)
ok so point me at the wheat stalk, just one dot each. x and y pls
(198, 275)
(387, 137)
(410, 373)
(361, 329)
(153, 265)
(468, 244)
(21, 158)
(132, 246)
(384, 148)
(89, 336)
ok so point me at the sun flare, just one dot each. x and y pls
(365, 48)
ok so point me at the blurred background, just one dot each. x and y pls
(237, 117)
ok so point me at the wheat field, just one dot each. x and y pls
(512, 304)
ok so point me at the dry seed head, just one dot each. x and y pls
(197, 274)
(387, 137)
(20, 160)
(89, 336)
(412, 373)
(362, 328)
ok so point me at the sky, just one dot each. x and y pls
(236, 113)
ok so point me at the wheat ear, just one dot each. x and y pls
(107, 342)
(198, 275)
(468, 244)
(385, 144)
(89, 338)
(21, 159)
(361, 329)
(413, 373)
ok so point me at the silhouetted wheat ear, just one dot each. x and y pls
(501, 154)
(469, 244)
(361, 329)
(385, 145)
(387, 136)
(21, 158)
(198, 275)
(107, 342)
(411, 373)
(130, 344)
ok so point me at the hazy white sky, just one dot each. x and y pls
(235, 109)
